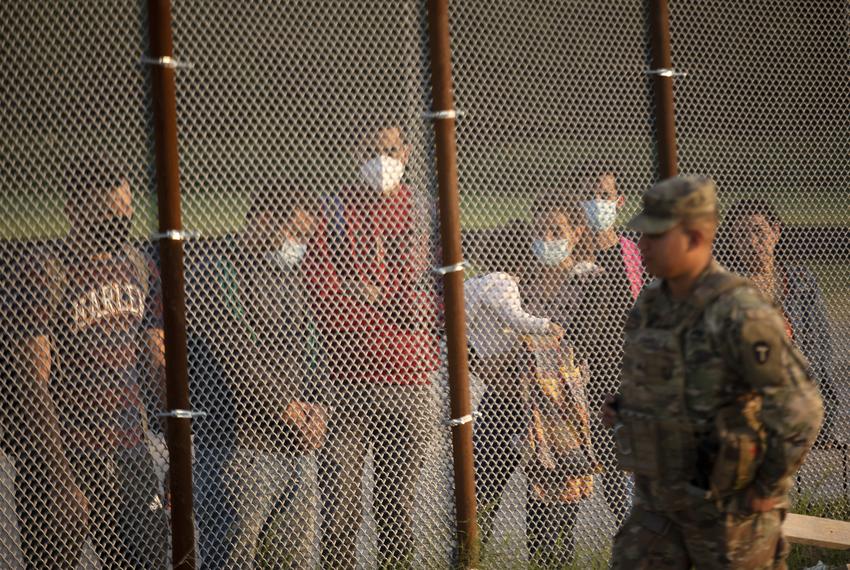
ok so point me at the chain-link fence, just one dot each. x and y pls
(314, 315)
(772, 136)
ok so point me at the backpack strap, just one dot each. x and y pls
(228, 282)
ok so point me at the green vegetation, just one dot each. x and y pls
(804, 556)
(31, 215)
(480, 210)
(502, 554)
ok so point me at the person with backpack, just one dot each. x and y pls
(533, 414)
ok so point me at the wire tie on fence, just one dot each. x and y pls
(666, 72)
(468, 418)
(445, 270)
(449, 114)
(174, 235)
(181, 414)
(167, 62)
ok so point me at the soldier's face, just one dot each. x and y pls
(667, 254)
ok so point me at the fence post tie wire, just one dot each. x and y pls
(182, 414)
(468, 418)
(174, 235)
(447, 114)
(166, 62)
(666, 72)
(446, 269)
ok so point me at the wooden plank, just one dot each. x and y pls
(815, 531)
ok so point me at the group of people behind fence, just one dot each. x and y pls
(545, 319)
(324, 339)
(314, 340)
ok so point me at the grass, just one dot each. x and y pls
(584, 558)
(805, 556)
(487, 210)
(38, 215)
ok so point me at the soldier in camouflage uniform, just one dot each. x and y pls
(716, 410)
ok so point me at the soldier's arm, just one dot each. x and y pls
(791, 409)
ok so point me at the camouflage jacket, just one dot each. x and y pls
(715, 399)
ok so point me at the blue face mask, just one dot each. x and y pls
(552, 252)
(601, 214)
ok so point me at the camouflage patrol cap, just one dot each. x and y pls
(673, 201)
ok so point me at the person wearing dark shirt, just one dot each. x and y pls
(602, 202)
(103, 333)
(51, 510)
(252, 376)
(607, 302)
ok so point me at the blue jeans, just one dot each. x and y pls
(214, 510)
(239, 492)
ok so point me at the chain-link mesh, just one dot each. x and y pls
(314, 318)
(554, 129)
(762, 110)
(81, 350)
(314, 337)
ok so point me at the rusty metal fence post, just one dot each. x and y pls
(179, 428)
(443, 114)
(663, 73)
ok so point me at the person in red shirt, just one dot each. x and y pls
(368, 272)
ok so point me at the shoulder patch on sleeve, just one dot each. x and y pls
(761, 352)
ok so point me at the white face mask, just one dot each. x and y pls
(289, 254)
(552, 252)
(601, 214)
(382, 173)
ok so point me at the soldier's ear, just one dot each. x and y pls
(697, 237)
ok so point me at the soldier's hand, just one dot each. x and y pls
(608, 412)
